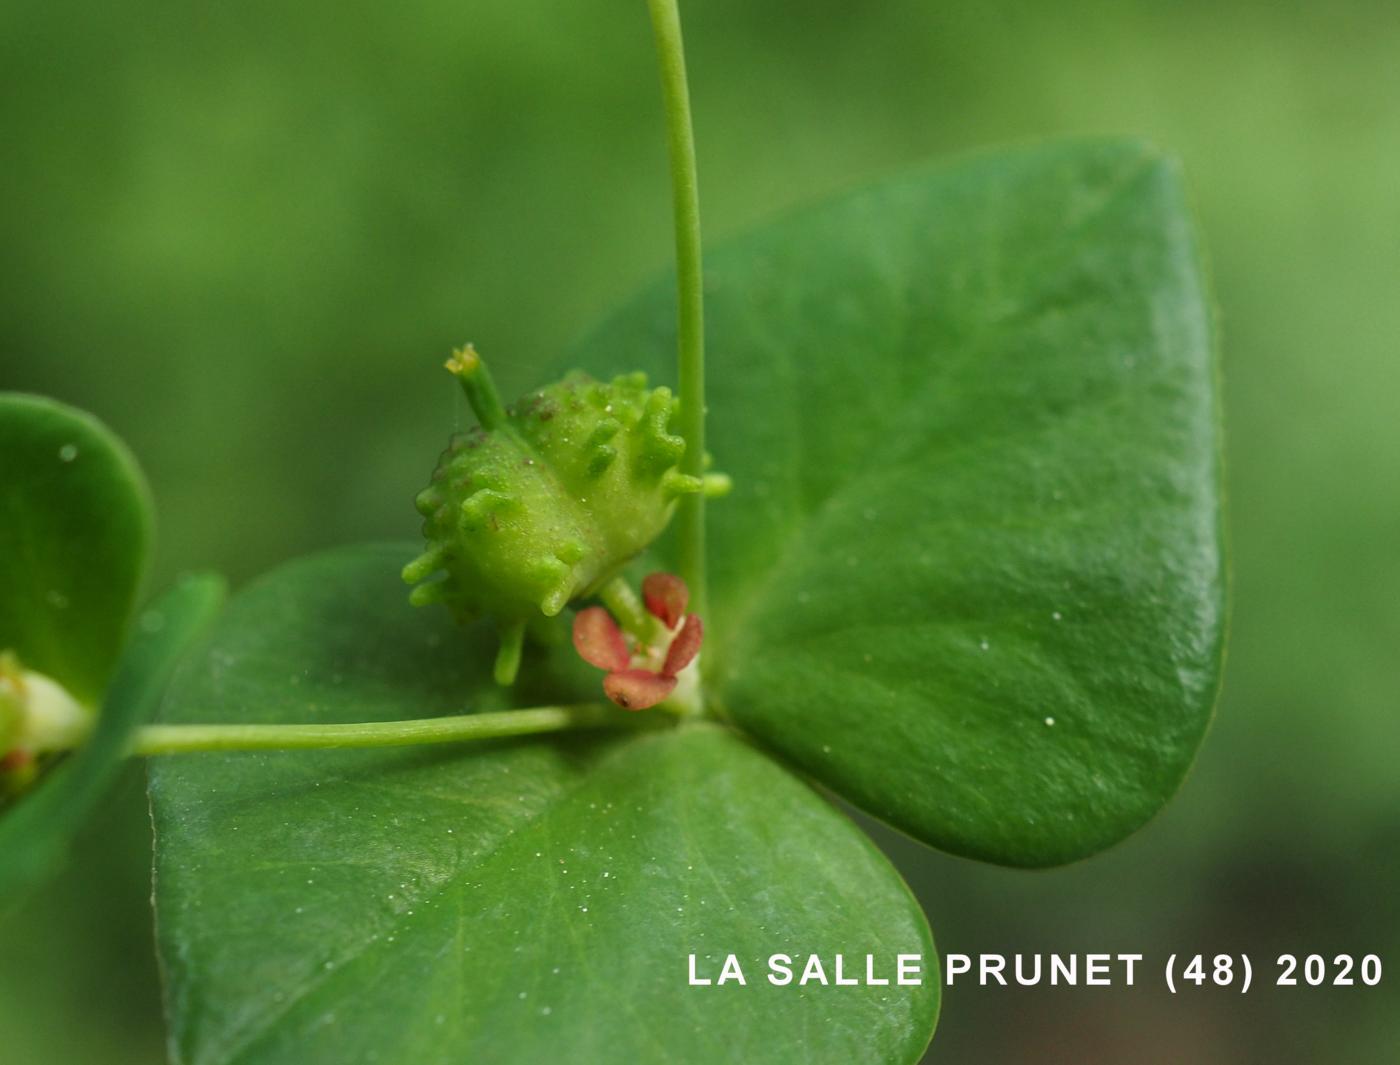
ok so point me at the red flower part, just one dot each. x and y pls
(684, 647)
(666, 596)
(637, 689)
(641, 675)
(598, 640)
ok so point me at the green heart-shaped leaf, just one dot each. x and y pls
(518, 901)
(970, 574)
(35, 833)
(74, 529)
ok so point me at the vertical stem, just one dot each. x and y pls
(508, 657)
(666, 25)
(477, 383)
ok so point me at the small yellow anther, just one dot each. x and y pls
(464, 361)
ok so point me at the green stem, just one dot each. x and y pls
(179, 739)
(508, 657)
(480, 387)
(666, 25)
(626, 606)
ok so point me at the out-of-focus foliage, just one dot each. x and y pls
(75, 525)
(246, 237)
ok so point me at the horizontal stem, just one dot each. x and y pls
(179, 739)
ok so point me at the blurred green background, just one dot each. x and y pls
(246, 235)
